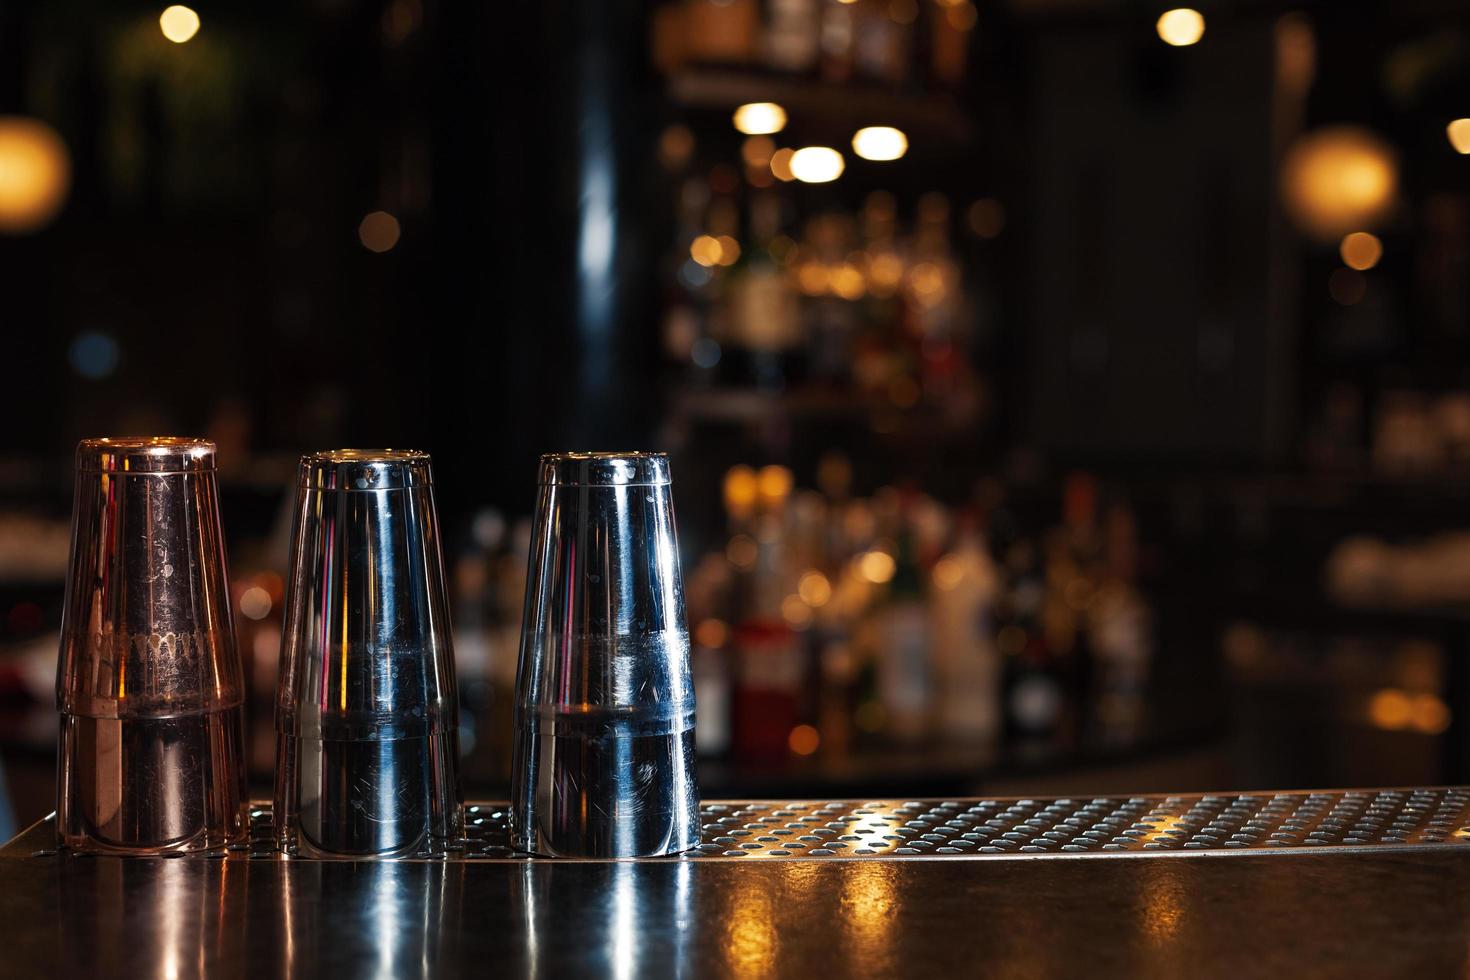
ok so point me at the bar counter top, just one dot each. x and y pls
(1320, 911)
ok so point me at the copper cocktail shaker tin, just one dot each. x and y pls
(148, 683)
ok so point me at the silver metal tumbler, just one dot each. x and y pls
(604, 760)
(149, 683)
(366, 715)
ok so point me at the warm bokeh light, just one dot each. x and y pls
(1459, 133)
(1430, 715)
(814, 588)
(1338, 180)
(1180, 27)
(817, 164)
(846, 281)
(781, 164)
(885, 272)
(255, 603)
(756, 151)
(813, 278)
(379, 231)
(877, 567)
(804, 740)
(742, 551)
(880, 143)
(1361, 250)
(774, 484)
(35, 174)
(760, 118)
(178, 23)
(706, 250)
(729, 250)
(675, 147)
(741, 487)
(948, 573)
(711, 633)
(798, 614)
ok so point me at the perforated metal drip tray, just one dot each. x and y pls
(1370, 819)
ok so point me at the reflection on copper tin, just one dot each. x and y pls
(149, 683)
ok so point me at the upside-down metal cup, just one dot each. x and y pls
(148, 681)
(367, 744)
(604, 712)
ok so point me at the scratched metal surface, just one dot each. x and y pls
(1378, 819)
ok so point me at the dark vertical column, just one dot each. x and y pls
(541, 273)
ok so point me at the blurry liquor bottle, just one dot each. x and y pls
(722, 32)
(764, 327)
(966, 663)
(950, 25)
(837, 40)
(769, 686)
(793, 35)
(1034, 692)
(904, 681)
(881, 39)
(713, 692)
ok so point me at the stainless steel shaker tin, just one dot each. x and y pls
(366, 715)
(149, 682)
(604, 761)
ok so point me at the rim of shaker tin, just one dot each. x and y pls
(604, 469)
(125, 455)
(365, 469)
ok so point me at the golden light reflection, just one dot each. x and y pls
(1337, 180)
(1459, 133)
(750, 932)
(760, 118)
(774, 484)
(846, 281)
(1180, 27)
(178, 23)
(880, 143)
(817, 164)
(1163, 911)
(378, 232)
(814, 589)
(741, 488)
(870, 909)
(706, 250)
(877, 566)
(1360, 250)
(35, 174)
